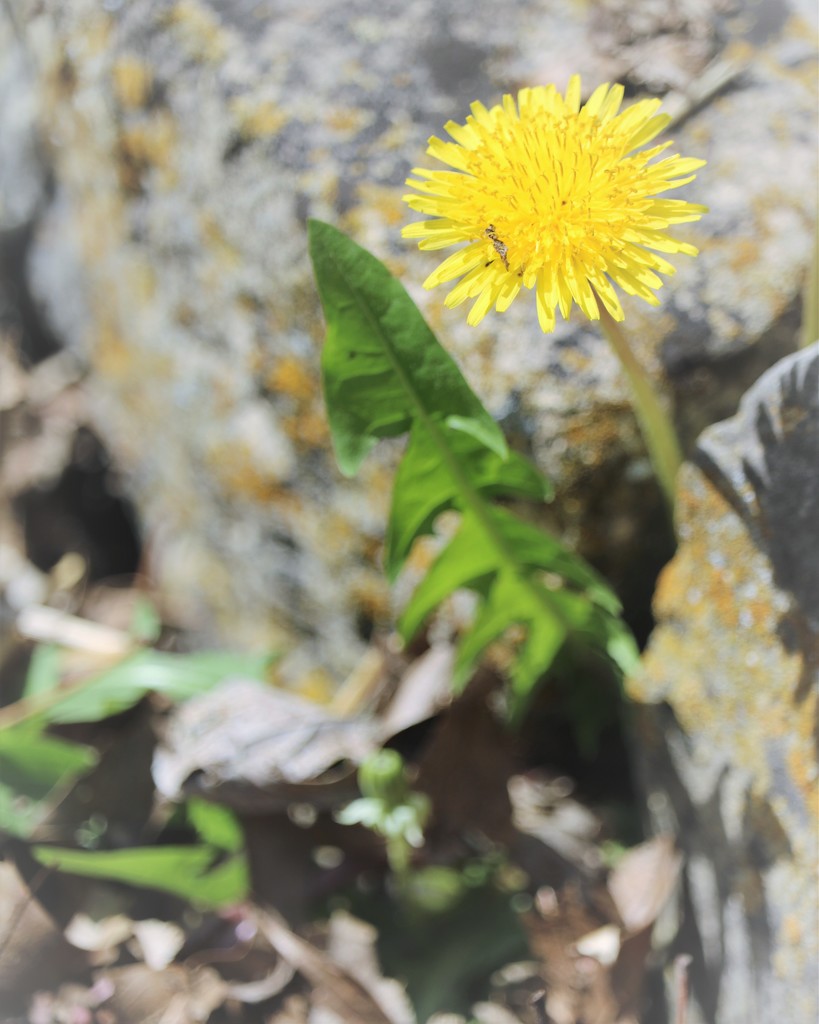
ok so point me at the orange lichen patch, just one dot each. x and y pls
(423, 553)
(801, 758)
(141, 281)
(294, 377)
(257, 119)
(225, 253)
(377, 480)
(386, 202)
(792, 931)
(111, 355)
(717, 565)
(372, 551)
(341, 537)
(200, 30)
(715, 655)
(233, 465)
(316, 685)
(370, 595)
(132, 81)
(307, 429)
(349, 121)
(743, 254)
(147, 143)
(591, 439)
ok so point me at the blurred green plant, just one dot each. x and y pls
(38, 769)
(210, 873)
(389, 808)
(386, 374)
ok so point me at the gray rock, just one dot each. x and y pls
(190, 140)
(23, 173)
(728, 699)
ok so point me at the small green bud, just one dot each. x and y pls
(381, 776)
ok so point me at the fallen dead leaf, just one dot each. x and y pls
(492, 1013)
(602, 945)
(543, 808)
(263, 988)
(643, 881)
(175, 995)
(157, 942)
(100, 937)
(467, 787)
(34, 953)
(259, 749)
(334, 987)
(641, 886)
(423, 690)
(352, 945)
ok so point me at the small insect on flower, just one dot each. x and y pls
(553, 196)
(500, 248)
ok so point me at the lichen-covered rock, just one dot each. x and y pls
(22, 172)
(190, 139)
(728, 700)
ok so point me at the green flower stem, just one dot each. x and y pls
(655, 424)
(399, 853)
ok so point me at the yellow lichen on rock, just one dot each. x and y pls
(716, 603)
(146, 144)
(292, 376)
(200, 30)
(133, 80)
(257, 119)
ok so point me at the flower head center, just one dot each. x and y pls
(556, 187)
(546, 194)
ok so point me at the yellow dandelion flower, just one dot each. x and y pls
(555, 196)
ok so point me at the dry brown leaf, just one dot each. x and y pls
(101, 937)
(643, 881)
(158, 942)
(543, 808)
(603, 945)
(175, 995)
(424, 689)
(468, 789)
(263, 988)
(296, 1010)
(258, 748)
(351, 943)
(33, 951)
(335, 988)
(640, 887)
(492, 1013)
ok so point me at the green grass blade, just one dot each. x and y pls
(177, 676)
(33, 767)
(190, 872)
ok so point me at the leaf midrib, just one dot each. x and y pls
(470, 496)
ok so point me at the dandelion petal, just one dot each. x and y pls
(544, 193)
